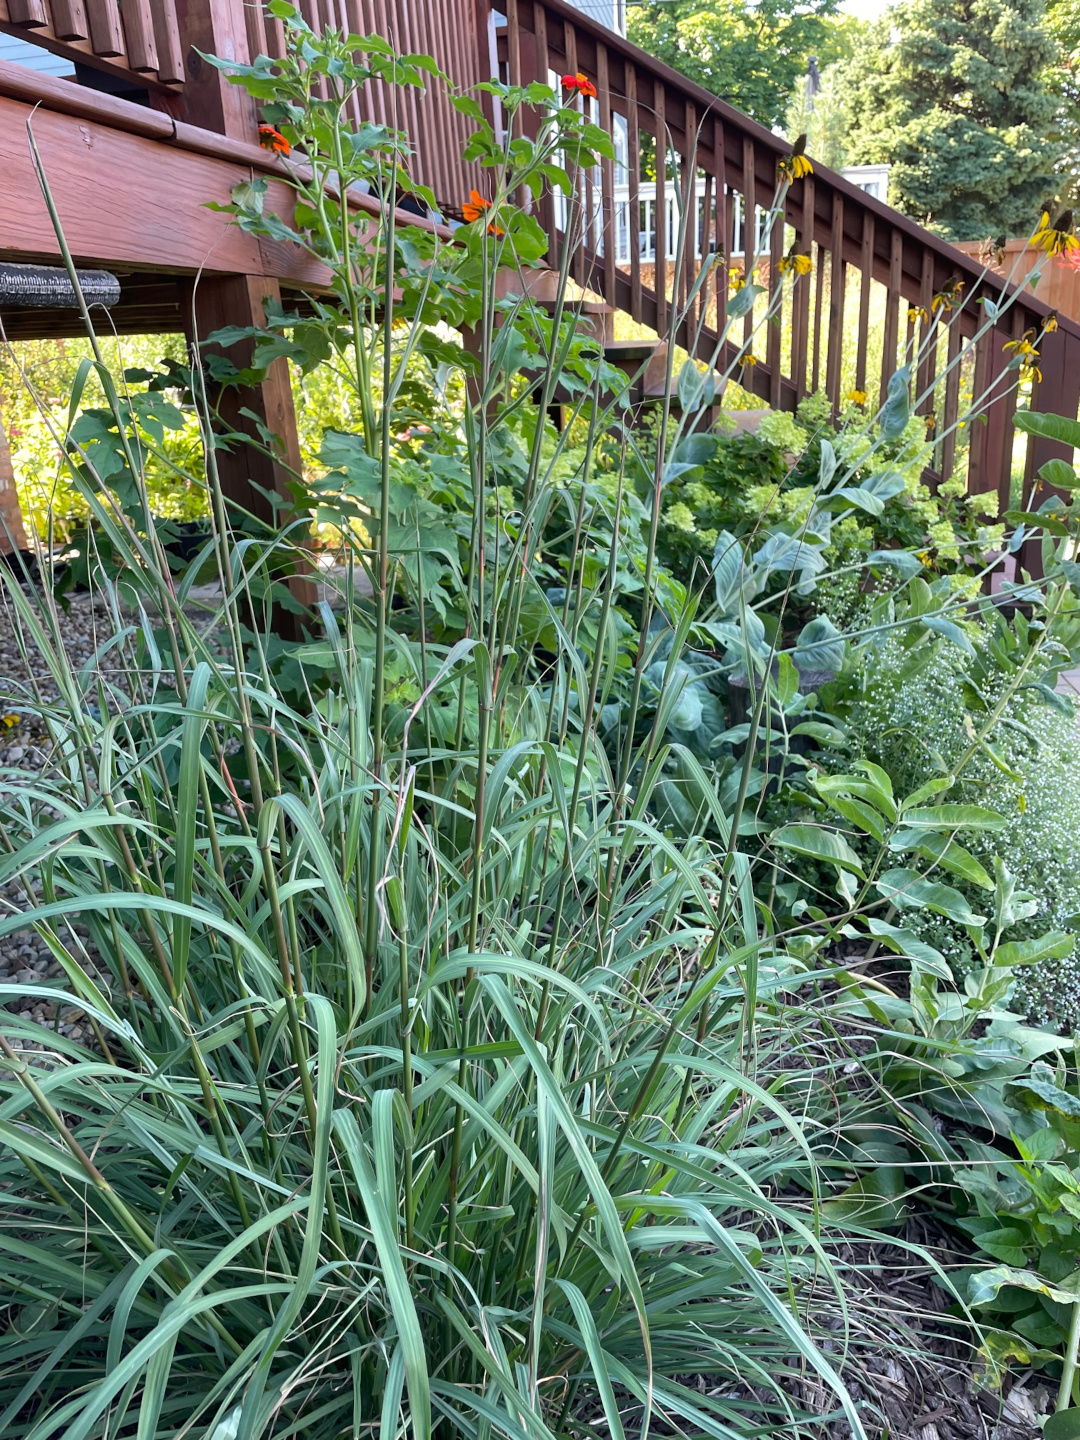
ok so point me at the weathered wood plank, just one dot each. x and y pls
(170, 48)
(29, 13)
(139, 36)
(69, 20)
(106, 30)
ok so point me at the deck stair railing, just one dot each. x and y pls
(845, 326)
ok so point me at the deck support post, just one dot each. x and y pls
(250, 476)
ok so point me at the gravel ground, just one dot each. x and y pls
(24, 958)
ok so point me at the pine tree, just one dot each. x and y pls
(954, 95)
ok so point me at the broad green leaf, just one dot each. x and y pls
(954, 817)
(818, 843)
(984, 1286)
(1060, 474)
(1062, 1425)
(909, 891)
(1049, 427)
(903, 942)
(1055, 945)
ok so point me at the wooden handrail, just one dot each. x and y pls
(869, 298)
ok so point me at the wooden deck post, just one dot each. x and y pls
(12, 532)
(249, 477)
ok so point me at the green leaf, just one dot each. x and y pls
(382, 1211)
(1049, 427)
(909, 891)
(1055, 945)
(818, 844)
(1063, 1425)
(954, 817)
(903, 562)
(949, 630)
(1060, 474)
(820, 646)
(983, 1287)
(903, 942)
(896, 410)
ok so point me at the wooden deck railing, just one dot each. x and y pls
(141, 39)
(875, 274)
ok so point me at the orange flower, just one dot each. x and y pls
(271, 139)
(581, 83)
(474, 208)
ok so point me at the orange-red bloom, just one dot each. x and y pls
(474, 208)
(581, 83)
(271, 139)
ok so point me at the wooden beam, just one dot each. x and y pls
(150, 190)
(249, 476)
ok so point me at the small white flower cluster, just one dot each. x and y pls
(916, 722)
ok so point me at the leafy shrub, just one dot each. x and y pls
(914, 719)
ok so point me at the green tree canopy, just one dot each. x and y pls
(751, 55)
(956, 95)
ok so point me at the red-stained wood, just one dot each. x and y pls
(749, 231)
(28, 13)
(892, 308)
(141, 42)
(246, 472)
(151, 188)
(800, 300)
(773, 337)
(633, 126)
(660, 269)
(209, 100)
(951, 410)
(106, 29)
(69, 20)
(170, 48)
(819, 299)
(722, 234)
(866, 271)
(837, 296)
(607, 171)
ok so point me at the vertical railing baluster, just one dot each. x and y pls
(576, 212)
(689, 191)
(837, 289)
(990, 465)
(928, 324)
(633, 203)
(69, 20)
(800, 297)
(865, 278)
(952, 398)
(607, 174)
(544, 67)
(773, 330)
(819, 305)
(660, 225)
(722, 236)
(749, 234)
(891, 337)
